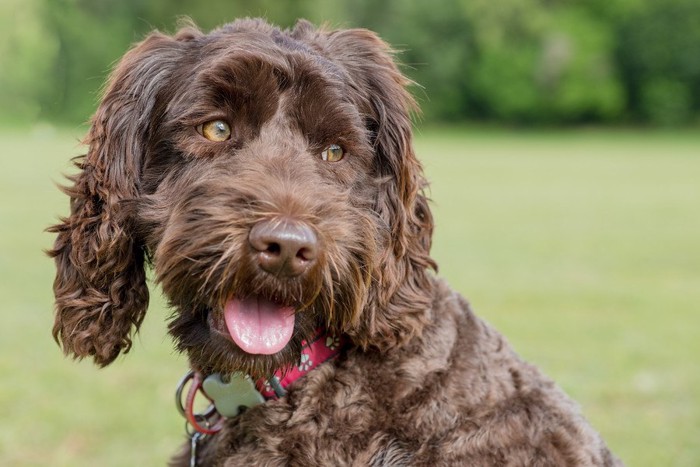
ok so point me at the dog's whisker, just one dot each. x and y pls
(225, 255)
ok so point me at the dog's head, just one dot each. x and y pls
(269, 179)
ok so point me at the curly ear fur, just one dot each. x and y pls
(397, 310)
(100, 285)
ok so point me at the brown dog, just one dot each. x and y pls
(269, 179)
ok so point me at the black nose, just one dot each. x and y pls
(283, 247)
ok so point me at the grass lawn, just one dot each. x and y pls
(583, 247)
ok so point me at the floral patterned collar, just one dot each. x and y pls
(323, 347)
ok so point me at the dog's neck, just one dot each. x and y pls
(239, 391)
(324, 347)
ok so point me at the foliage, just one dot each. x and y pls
(27, 52)
(659, 55)
(510, 61)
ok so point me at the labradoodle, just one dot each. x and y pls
(268, 178)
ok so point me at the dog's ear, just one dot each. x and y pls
(100, 285)
(403, 294)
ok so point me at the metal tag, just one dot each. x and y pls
(228, 397)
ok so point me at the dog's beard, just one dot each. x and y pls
(211, 352)
(200, 279)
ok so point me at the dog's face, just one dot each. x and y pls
(269, 179)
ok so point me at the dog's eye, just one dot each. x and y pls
(332, 153)
(216, 130)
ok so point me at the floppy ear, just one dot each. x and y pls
(404, 293)
(100, 284)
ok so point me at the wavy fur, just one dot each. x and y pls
(425, 382)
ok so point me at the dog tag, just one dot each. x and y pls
(229, 397)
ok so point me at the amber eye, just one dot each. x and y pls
(216, 130)
(332, 153)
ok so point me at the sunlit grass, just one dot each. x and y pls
(582, 247)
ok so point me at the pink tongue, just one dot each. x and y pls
(259, 326)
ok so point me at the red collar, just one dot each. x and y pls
(323, 347)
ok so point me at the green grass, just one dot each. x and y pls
(583, 247)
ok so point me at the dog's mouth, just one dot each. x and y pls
(257, 325)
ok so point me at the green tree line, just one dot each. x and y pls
(504, 61)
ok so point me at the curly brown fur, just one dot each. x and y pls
(424, 382)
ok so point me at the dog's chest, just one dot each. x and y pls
(336, 416)
(365, 409)
(457, 395)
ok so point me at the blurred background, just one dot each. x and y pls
(562, 140)
(524, 62)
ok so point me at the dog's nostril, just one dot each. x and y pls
(283, 247)
(305, 254)
(274, 248)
